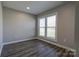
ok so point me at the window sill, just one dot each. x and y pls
(48, 38)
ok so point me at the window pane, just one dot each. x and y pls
(51, 32)
(51, 21)
(42, 22)
(42, 31)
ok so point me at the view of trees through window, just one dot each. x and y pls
(42, 27)
(51, 25)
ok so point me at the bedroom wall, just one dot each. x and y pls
(17, 25)
(65, 24)
(77, 29)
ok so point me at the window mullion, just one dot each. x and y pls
(45, 26)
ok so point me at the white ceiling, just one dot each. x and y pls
(36, 7)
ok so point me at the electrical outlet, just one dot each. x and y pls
(64, 40)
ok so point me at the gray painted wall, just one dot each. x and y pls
(65, 24)
(1, 34)
(77, 29)
(17, 25)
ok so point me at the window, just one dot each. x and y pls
(51, 25)
(48, 26)
(42, 27)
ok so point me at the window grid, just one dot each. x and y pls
(51, 26)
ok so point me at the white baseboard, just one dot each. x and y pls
(70, 49)
(6, 43)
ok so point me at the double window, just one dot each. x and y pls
(47, 26)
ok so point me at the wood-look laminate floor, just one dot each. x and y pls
(34, 48)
